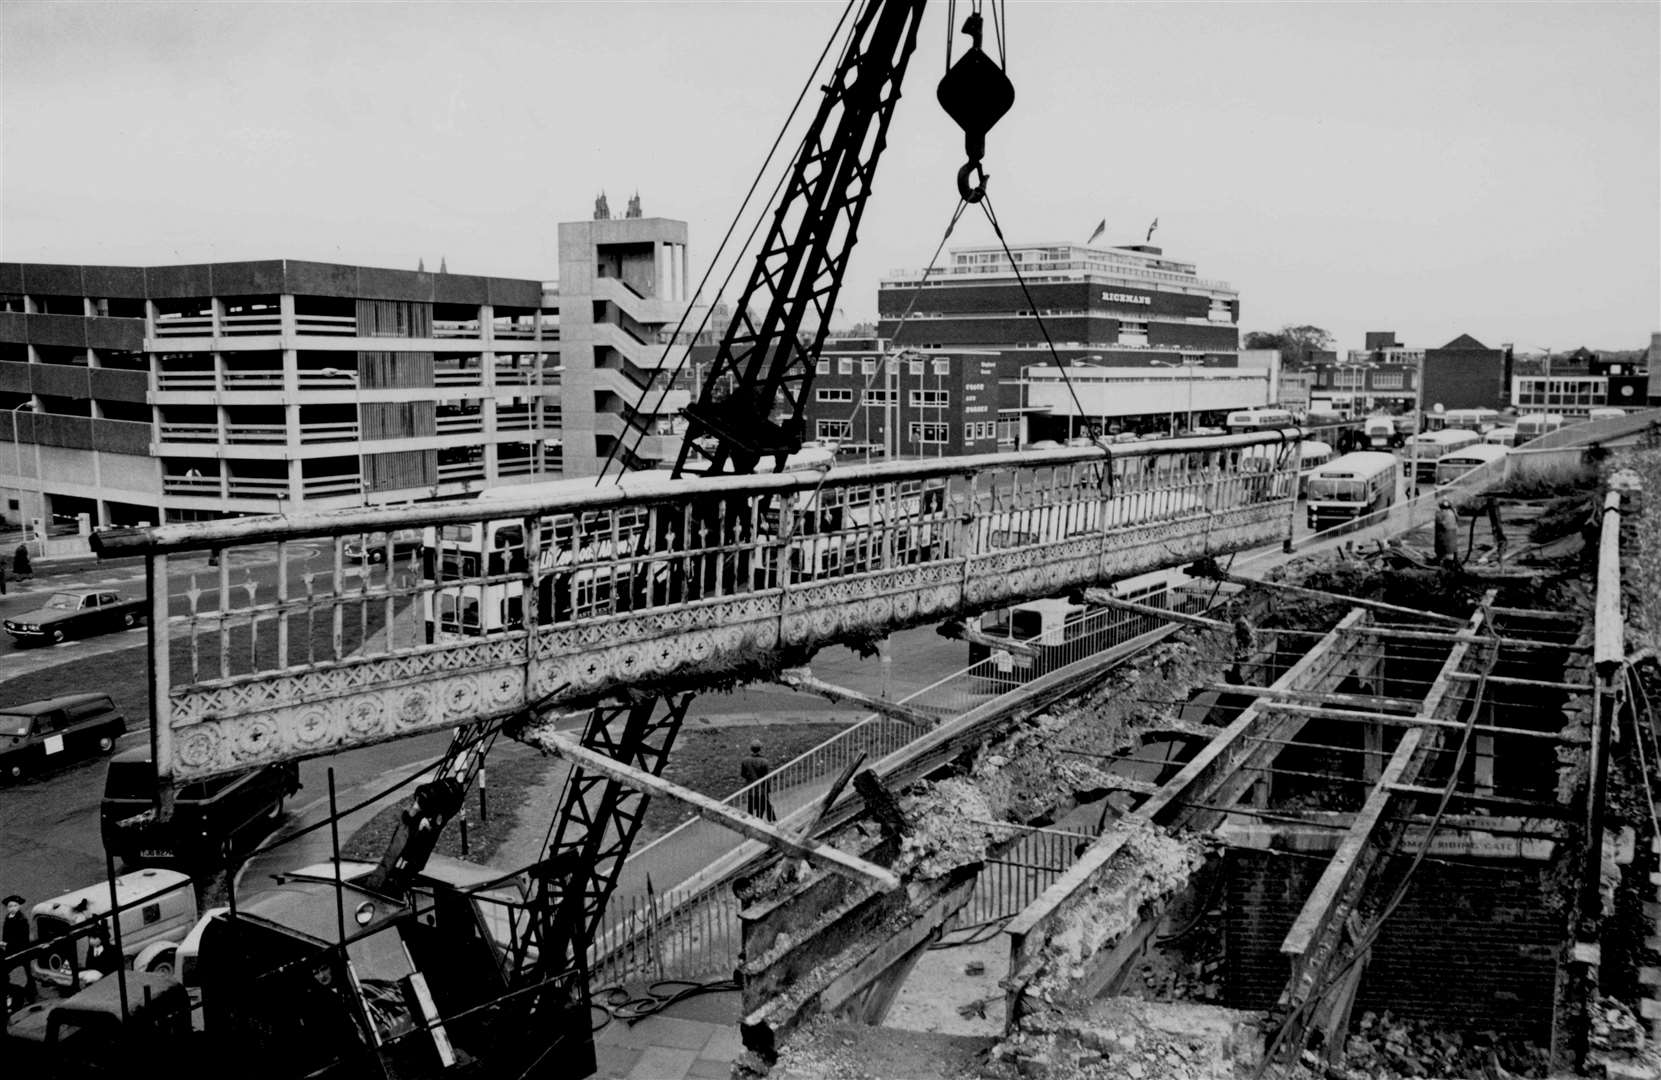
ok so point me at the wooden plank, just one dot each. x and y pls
(1351, 601)
(820, 855)
(1609, 626)
(1404, 705)
(1397, 720)
(803, 679)
(1103, 598)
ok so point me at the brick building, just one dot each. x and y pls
(1464, 374)
(913, 404)
(1114, 306)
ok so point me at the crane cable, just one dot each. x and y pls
(1032, 305)
(732, 226)
(882, 361)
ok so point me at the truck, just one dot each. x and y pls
(76, 614)
(89, 1034)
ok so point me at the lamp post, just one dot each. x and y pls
(40, 491)
(1190, 363)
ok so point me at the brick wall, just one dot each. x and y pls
(1465, 379)
(1472, 946)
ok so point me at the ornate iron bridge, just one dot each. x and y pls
(315, 633)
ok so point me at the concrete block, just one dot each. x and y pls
(1653, 943)
(1587, 952)
(1649, 976)
(1649, 1009)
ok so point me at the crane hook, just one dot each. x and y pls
(975, 93)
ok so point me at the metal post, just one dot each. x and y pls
(334, 842)
(115, 919)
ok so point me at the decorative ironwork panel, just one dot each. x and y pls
(310, 634)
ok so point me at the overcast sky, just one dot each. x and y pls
(1429, 168)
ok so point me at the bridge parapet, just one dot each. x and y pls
(320, 632)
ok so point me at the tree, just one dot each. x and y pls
(1298, 345)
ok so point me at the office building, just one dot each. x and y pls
(1113, 306)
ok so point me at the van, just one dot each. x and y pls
(158, 908)
(42, 733)
(237, 809)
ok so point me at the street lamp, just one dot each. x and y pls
(1189, 362)
(40, 490)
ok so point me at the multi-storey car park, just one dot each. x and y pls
(175, 393)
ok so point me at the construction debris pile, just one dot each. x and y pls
(1383, 1046)
(1123, 1038)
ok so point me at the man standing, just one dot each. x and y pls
(753, 771)
(14, 938)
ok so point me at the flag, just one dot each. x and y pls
(1099, 230)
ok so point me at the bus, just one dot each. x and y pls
(1351, 487)
(1533, 425)
(1501, 436)
(1460, 462)
(1429, 447)
(1259, 420)
(1480, 421)
(1060, 631)
(1387, 432)
(1312, 454)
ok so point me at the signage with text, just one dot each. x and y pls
(1126, 298)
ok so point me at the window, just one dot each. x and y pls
(931, 399)
(872, 397)
(845, 366)
(834, 393)
(929, 433)
(868, 366)
(942, 366)
(833, 429)
(916, 367)
(968, 433)
(823, 367)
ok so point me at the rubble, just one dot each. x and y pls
(1382, 1046)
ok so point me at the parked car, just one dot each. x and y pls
(237, 809)
(76, 614)
(60, 729)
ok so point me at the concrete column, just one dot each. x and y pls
(685, 266)
(101, 508)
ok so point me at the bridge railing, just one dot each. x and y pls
(315, 633)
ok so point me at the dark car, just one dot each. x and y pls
(76, 614)
(40, 733)
(232, 812)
